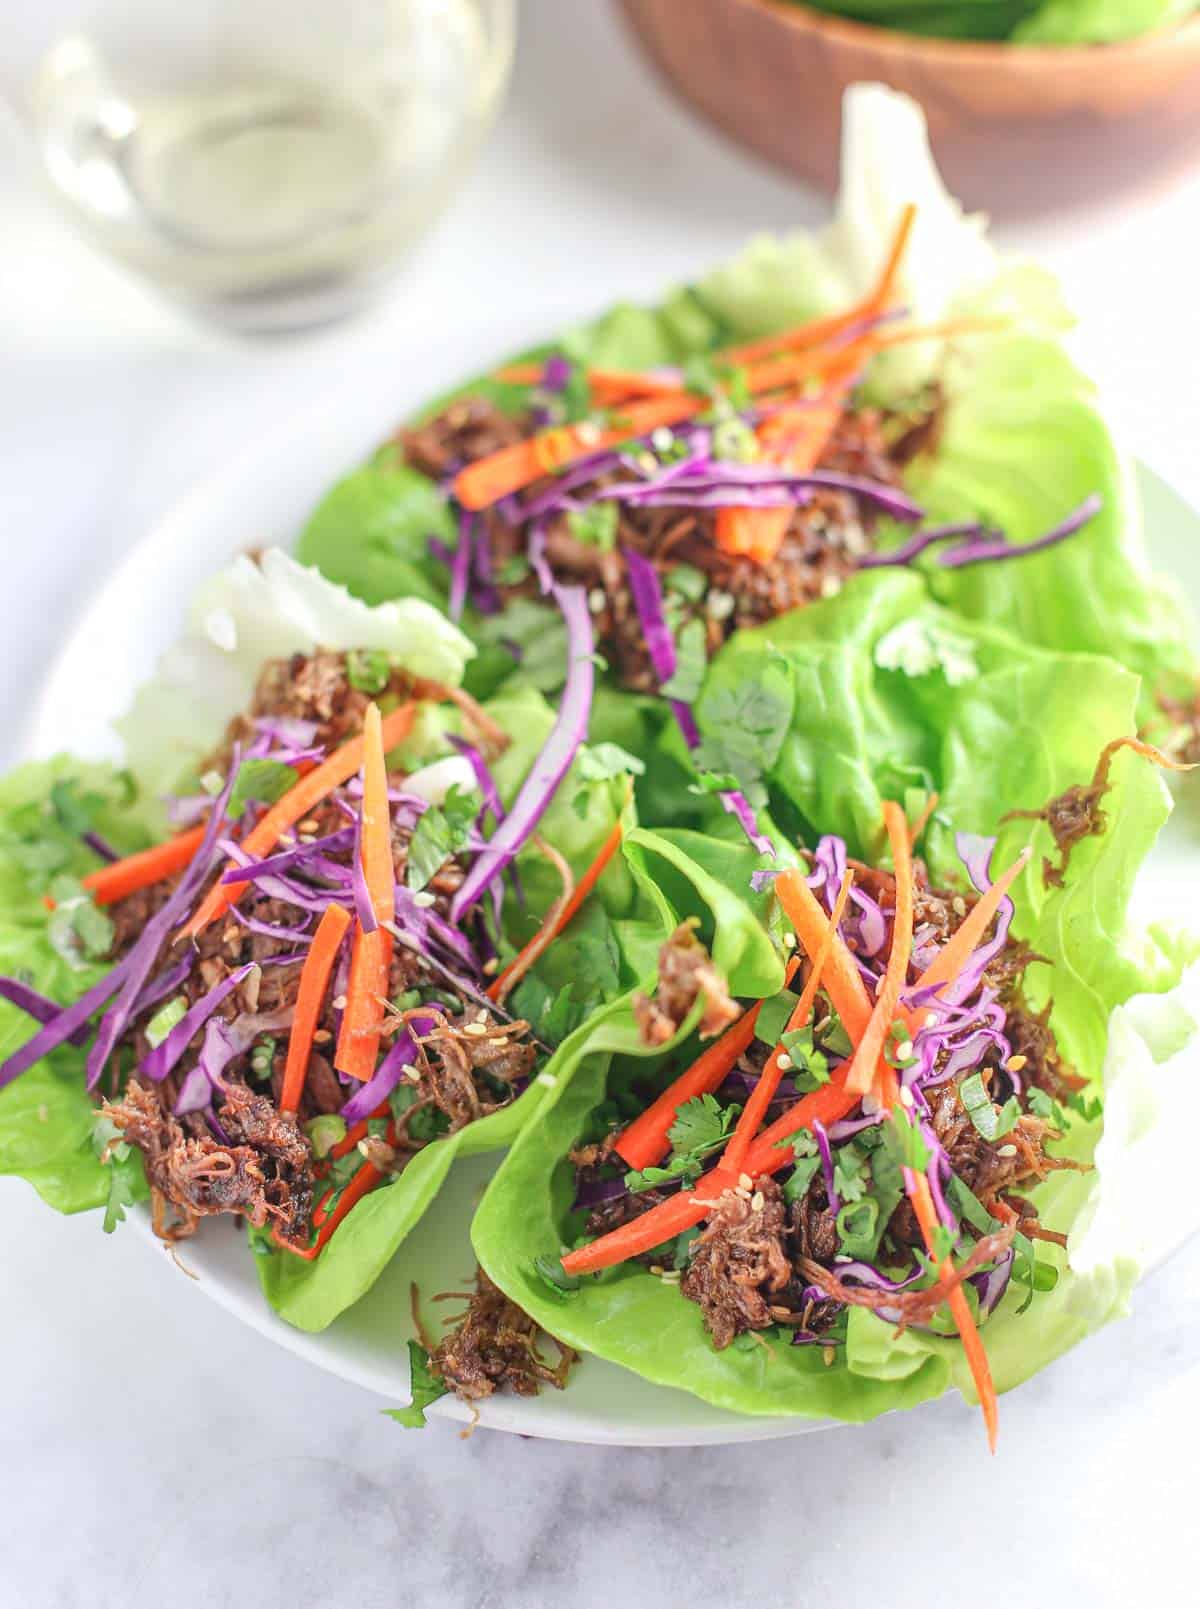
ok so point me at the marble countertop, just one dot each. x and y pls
(156, 1453)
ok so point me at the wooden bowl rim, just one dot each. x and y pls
(974, 52)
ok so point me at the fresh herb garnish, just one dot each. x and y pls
(425, 1387)
(368, 669)
(264, 781)
(78, 930)
(441, 831)
(324, 1133)
(903, 1141)
(687, 581)
(810, 1066)
(701, 1127)
(919, 647)
(552, 1274)
(773, 1016)
(164, 1019)
(990, 1121)
(595, 525)
(262, 1057)
(691, 663)
(858, 1226)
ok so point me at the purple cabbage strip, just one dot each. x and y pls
(136, 965)
(999, 548)
(159, 1062)
(166, 983)
(483, 777)
(764, 878)
(594, 1192)
(289, 731)
(272, 930)
(991, 1285)
(222, 1042)
(460, 570)
(363, 907)
(292, 858)
(918, 542)
(648, 601)
(822, 1138)
(552, 764)
(38, 1006)
(100, 846)
(556, 372)
(386, 1076)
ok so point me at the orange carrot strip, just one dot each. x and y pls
(768, 1083)
(922, 821)
(870, 1047)
(843, 980)
(339, 767)
(378, 863)
(366, 997)
(107, 884)
(764, 1091)
(956, 951)
(645, 1141)
(326, 1222)
(314, 979)
(570, 910)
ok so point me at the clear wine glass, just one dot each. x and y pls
(267, 162)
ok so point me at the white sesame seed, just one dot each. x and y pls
(424, 899)
(758, 1201)
(647, 461)
(720, 605)
(789, 941)
(339, 1002)
(906, 1096)
(662, 438)
(904, 1049)
(831, 585)
(829, 1353)
(597, 598)
(870, 1105)
(1007, 1150)
(1014, 1064)
(474, 1028)
(657, 1271)
(671, 1276)
(491, 967)
(587, 433)
(783, 1061)
(958, 905)
(744, 1181)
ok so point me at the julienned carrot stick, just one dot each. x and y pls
(917, 1189)
(110, 883)
(295, 804)
(871, 1046)
(843, 980)
(956, 951)
(607, 385)
(366, 997)
(645, 1141)
(314, 979)
(489, 479)
(768, 1082)
(544, 937)
(378, 863)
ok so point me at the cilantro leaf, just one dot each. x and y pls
(795, 1187)
(78, 930)
(810, 1066)
(904, 1143)
(700, 1124)
(441, 831)
(261, 780)
(552, 1273)
(773, 1016)
(600, 762)
(691, 663)
(426, 1389)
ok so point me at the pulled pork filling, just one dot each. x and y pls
(238, 1152)
(795, 1250)
(825, 538)
(494, 1345)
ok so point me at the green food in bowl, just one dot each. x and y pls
(1025, 22)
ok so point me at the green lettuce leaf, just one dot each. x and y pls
(46, 1115)
(1021, 725)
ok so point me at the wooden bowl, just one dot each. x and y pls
(1015, 128)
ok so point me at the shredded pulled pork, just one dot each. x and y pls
(494, 1345)
(252, 1160)
(262, 1169)
(824, 540)
(685, 972)
(739, 1261)
(912, 1306)
(1077, 813)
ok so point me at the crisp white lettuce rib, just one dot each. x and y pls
(252, 612)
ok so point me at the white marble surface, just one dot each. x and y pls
(155, 1453)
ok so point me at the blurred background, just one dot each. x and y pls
(166, 1441)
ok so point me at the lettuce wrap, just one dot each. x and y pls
(885, 692)
(60, 820)
(1014, 436)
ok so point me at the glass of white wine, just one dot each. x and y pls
(267, 162)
